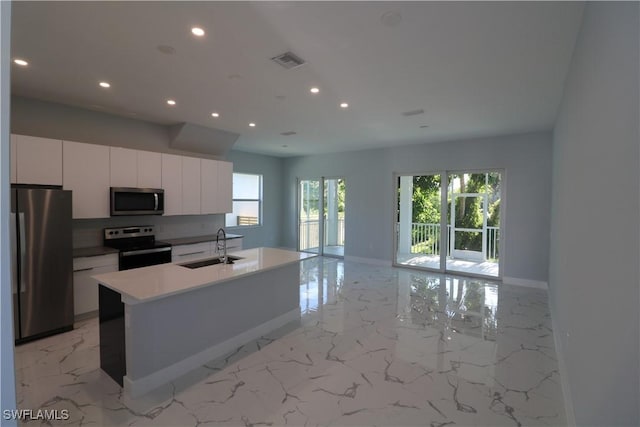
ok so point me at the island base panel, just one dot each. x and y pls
(112, 334)
(169, 337)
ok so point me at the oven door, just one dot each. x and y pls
(144, 258)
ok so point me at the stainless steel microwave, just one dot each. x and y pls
(136, 201)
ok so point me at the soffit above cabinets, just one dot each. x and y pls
(201, 139)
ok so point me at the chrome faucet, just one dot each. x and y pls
(223, 258)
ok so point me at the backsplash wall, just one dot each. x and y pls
(88, 232)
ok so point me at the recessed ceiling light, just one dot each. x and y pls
(21, 62)
(344, 105)
(314, 90)
(197, 31)
(166, 49)
(104, 84)
(252, 125)
(215, 115)
(171, 102)
(413, 112)
(391, 18)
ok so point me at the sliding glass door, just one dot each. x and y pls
(474, 223)
(321, 213)
(419, 234)
(454, 231)
(309, 209)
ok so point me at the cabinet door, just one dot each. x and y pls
(38, 160)
(225, 187)
(209, 186)
(86, 173)
(172, 184)
(85, 289)
(190, 186)
(149, 169)
(124, 167)
(14, 159)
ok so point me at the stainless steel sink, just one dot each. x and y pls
(209, 261)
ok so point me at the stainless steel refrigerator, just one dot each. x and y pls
(42, 281)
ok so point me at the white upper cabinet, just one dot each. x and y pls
(124, 167)
(14, 160)
(135, 168)
(37, 160)
(149, 169)
(209, 187)
(216, 186)
(190, 186)
(225, 187)
(86, 173)
(172, 183)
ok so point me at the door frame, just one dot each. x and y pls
(444, 247)
(321, 214)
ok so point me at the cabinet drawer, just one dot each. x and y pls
(83, 263)
(190, 252)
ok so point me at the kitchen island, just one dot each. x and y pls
(159, 322)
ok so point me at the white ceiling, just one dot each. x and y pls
(477, 69)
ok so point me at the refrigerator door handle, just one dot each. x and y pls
(23, 252)
(14, 255)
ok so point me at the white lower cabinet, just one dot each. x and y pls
(85, 289)
(232, 245)
(196, 251)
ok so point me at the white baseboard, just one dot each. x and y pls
(564, 378)
(140, 386)
(525, 282)
(372, 261)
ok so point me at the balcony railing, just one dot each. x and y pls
(425, 239)
(310, 231)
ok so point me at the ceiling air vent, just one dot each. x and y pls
(288, 133)
(288, 60)
(413, 112)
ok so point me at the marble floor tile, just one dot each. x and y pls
(375, 346)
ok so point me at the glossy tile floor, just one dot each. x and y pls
(375, 346)
(485, 268)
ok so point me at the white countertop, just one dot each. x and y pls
(159, 281)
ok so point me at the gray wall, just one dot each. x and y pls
(52, 120)
(270, 232)
(594, 244)
(7, 370)
(526, 160)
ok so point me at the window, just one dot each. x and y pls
(247, 201)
